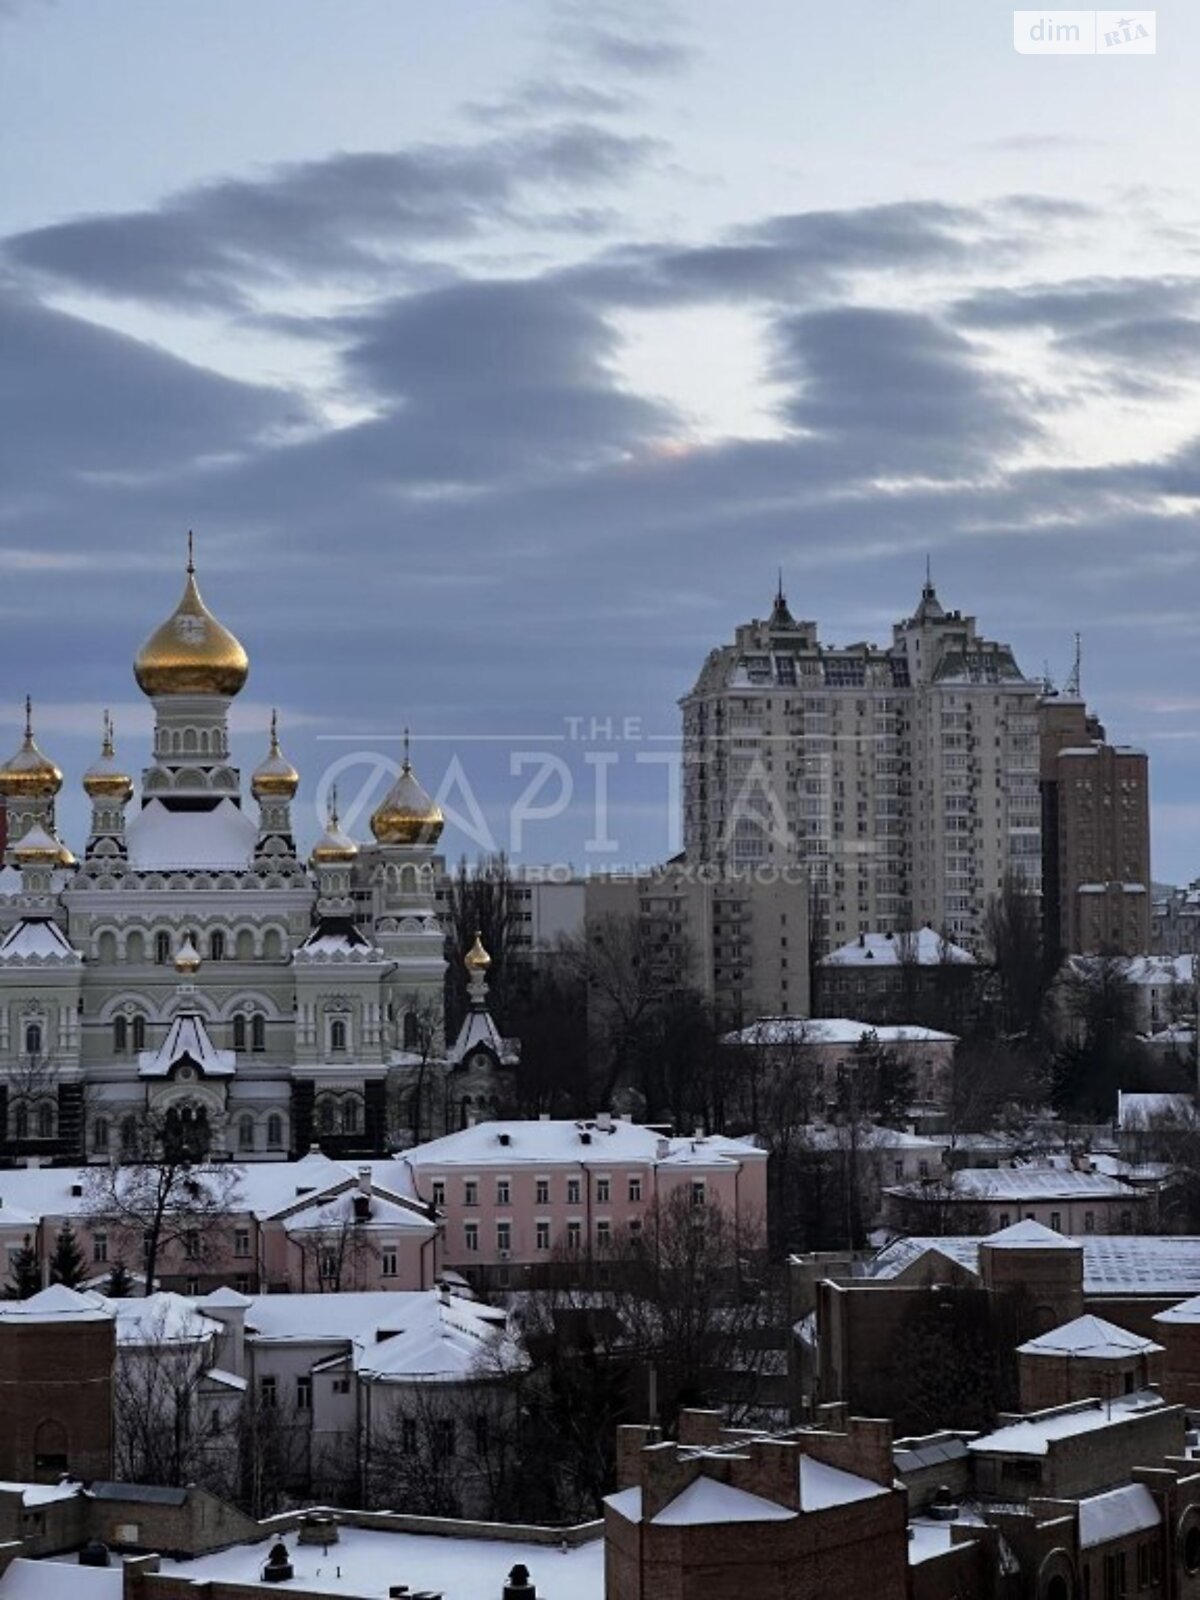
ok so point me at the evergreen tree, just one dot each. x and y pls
(25, 1274)
(120, 1284)
(67, 1263)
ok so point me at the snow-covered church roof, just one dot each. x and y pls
(38, 942)
(187, 1040)
(162, 840)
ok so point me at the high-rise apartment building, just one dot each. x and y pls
(1096, 835)
(902, 777)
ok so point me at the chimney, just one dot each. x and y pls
(604, 1121)
(662, 1149)
(364, 1181)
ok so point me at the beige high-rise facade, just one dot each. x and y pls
(903, 777)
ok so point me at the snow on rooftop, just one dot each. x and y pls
(928, 1539)
(923, 947)
(56, 1304)
(1089, 1336)
(370, 1560)
(160, 1319)
(38, 941)
(1141, 1111)
(332, 1318)
(435, 1341)
(187, 1039)
(823, 1486)
(42, 1494)
(557, 1140)
(160, 840)
(1117, 1514)
(800, 1031)
(1033, 1435)
(1158, 1265)
(708, 1500)
(44, 1580)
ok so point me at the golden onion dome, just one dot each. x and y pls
(187, 958)
(191, 653)
(275, 778)
(477, 958)
(29, 774)
(39, 847)
(334, 848)
(407, 814)
(104, 779)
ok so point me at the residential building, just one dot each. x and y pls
(903, 778)
(190, 973)
(1061, 1198)
(740, 938)
(912, 976)
(57, 1351)
(823, 1053)
(1096, 890)
(524, 1200)
(1175, 920)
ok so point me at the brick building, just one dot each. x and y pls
(56, 1387)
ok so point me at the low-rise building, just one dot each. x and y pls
(824, 1053)
(918, 975)
(978, 1199)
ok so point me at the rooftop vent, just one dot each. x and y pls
(94, 1554)
(279, 1567)
(77, 1190)
(504, 1138)
(518, 1586)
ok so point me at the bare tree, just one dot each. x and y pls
(160, 1437)
(336, 1251)
(1023, 968)
(422, 1032)
(162, 1193)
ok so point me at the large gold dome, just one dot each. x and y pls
(191, 653)
(30, 774)
(407, 814)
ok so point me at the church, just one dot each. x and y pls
(189, 978)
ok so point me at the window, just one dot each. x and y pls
(503, 1192)
(239, 1032)
(139, 1033)
(543, 1236)
(241, 1282)
(268, 1391)
(190, 1286)
(504, 1236)
(471, 1236)
(603, 1190)
(1089, 1222)
(100, 1134)
(389, 1266)
(350, 1117)
(216, 946)
(99, 1247)
(635, 1226)
(471, 1192)
(33, 1038)
(341, 1386)
(241, 1241)
(698, 1192)
(481, 1434)
(162, 948)
(408, 1435)
(439, 1191)
(328, 1264)
(45, 1120)
(572, 1191)
(258, 1032)
(1056, 1221)
(246, 1133)
(274, 1131)
(574, 1235)
(325, 1114)
(191, 1244)
(120, 1035)
(337, 1034)
(603, 1233)
(635, 1188)
(542, 1194)
(304, 1392)
(443, 1433)
(1004, 1219)
(1127, 1222)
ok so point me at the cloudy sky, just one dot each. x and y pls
(499, 351)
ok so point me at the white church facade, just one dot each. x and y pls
(190, 974)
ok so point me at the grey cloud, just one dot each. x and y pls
(1075, 305)
(643, 57)
(345, 215)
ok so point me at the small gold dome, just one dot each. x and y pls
(191, 653)
(39, 847)
(104, 779)
(333, 848)
(187, 958)
(275, 778)
(477, 958)
(407, 814)
(29, 774)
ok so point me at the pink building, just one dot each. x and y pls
(515, 1195)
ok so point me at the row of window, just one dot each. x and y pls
(247, 1135)
(603, 1235)
(246, 1029)
(574, 1189)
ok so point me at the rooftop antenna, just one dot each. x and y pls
(1074, 679)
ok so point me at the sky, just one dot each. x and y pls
(501, 354)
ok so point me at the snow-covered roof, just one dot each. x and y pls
(832, 1031)
(328, 1318)
(823, 1486)
(1021, 1184)
(1117, 1514)
(371, 1560)
(545, 1143)
(55, 1304)
(1033, 1435)
(337, 940)
(479, 1030)
(1089, 1337)
(46, 1580)
(339, 1211)
(38, 942)
(927, 1540)
(923, 947)
(1156, 1265)
(1186, 1311)
(703, 1502)
(435, 1339)
(161, 840)
(42, 1494)
(154, 1320)
(187, 1039)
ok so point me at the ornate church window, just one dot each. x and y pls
(45, 1120)
(410, 1030)
(350, 1117)
(337, 1034)
(325, 1116)
(216, 946)
(21, 1122)
(258, 1032)
(33, 1038)
(100, 1134)
(239, 1032)
(274, 1131)
(162, 948)
(120, 1035)
(139, 1033)
(246, 1133)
